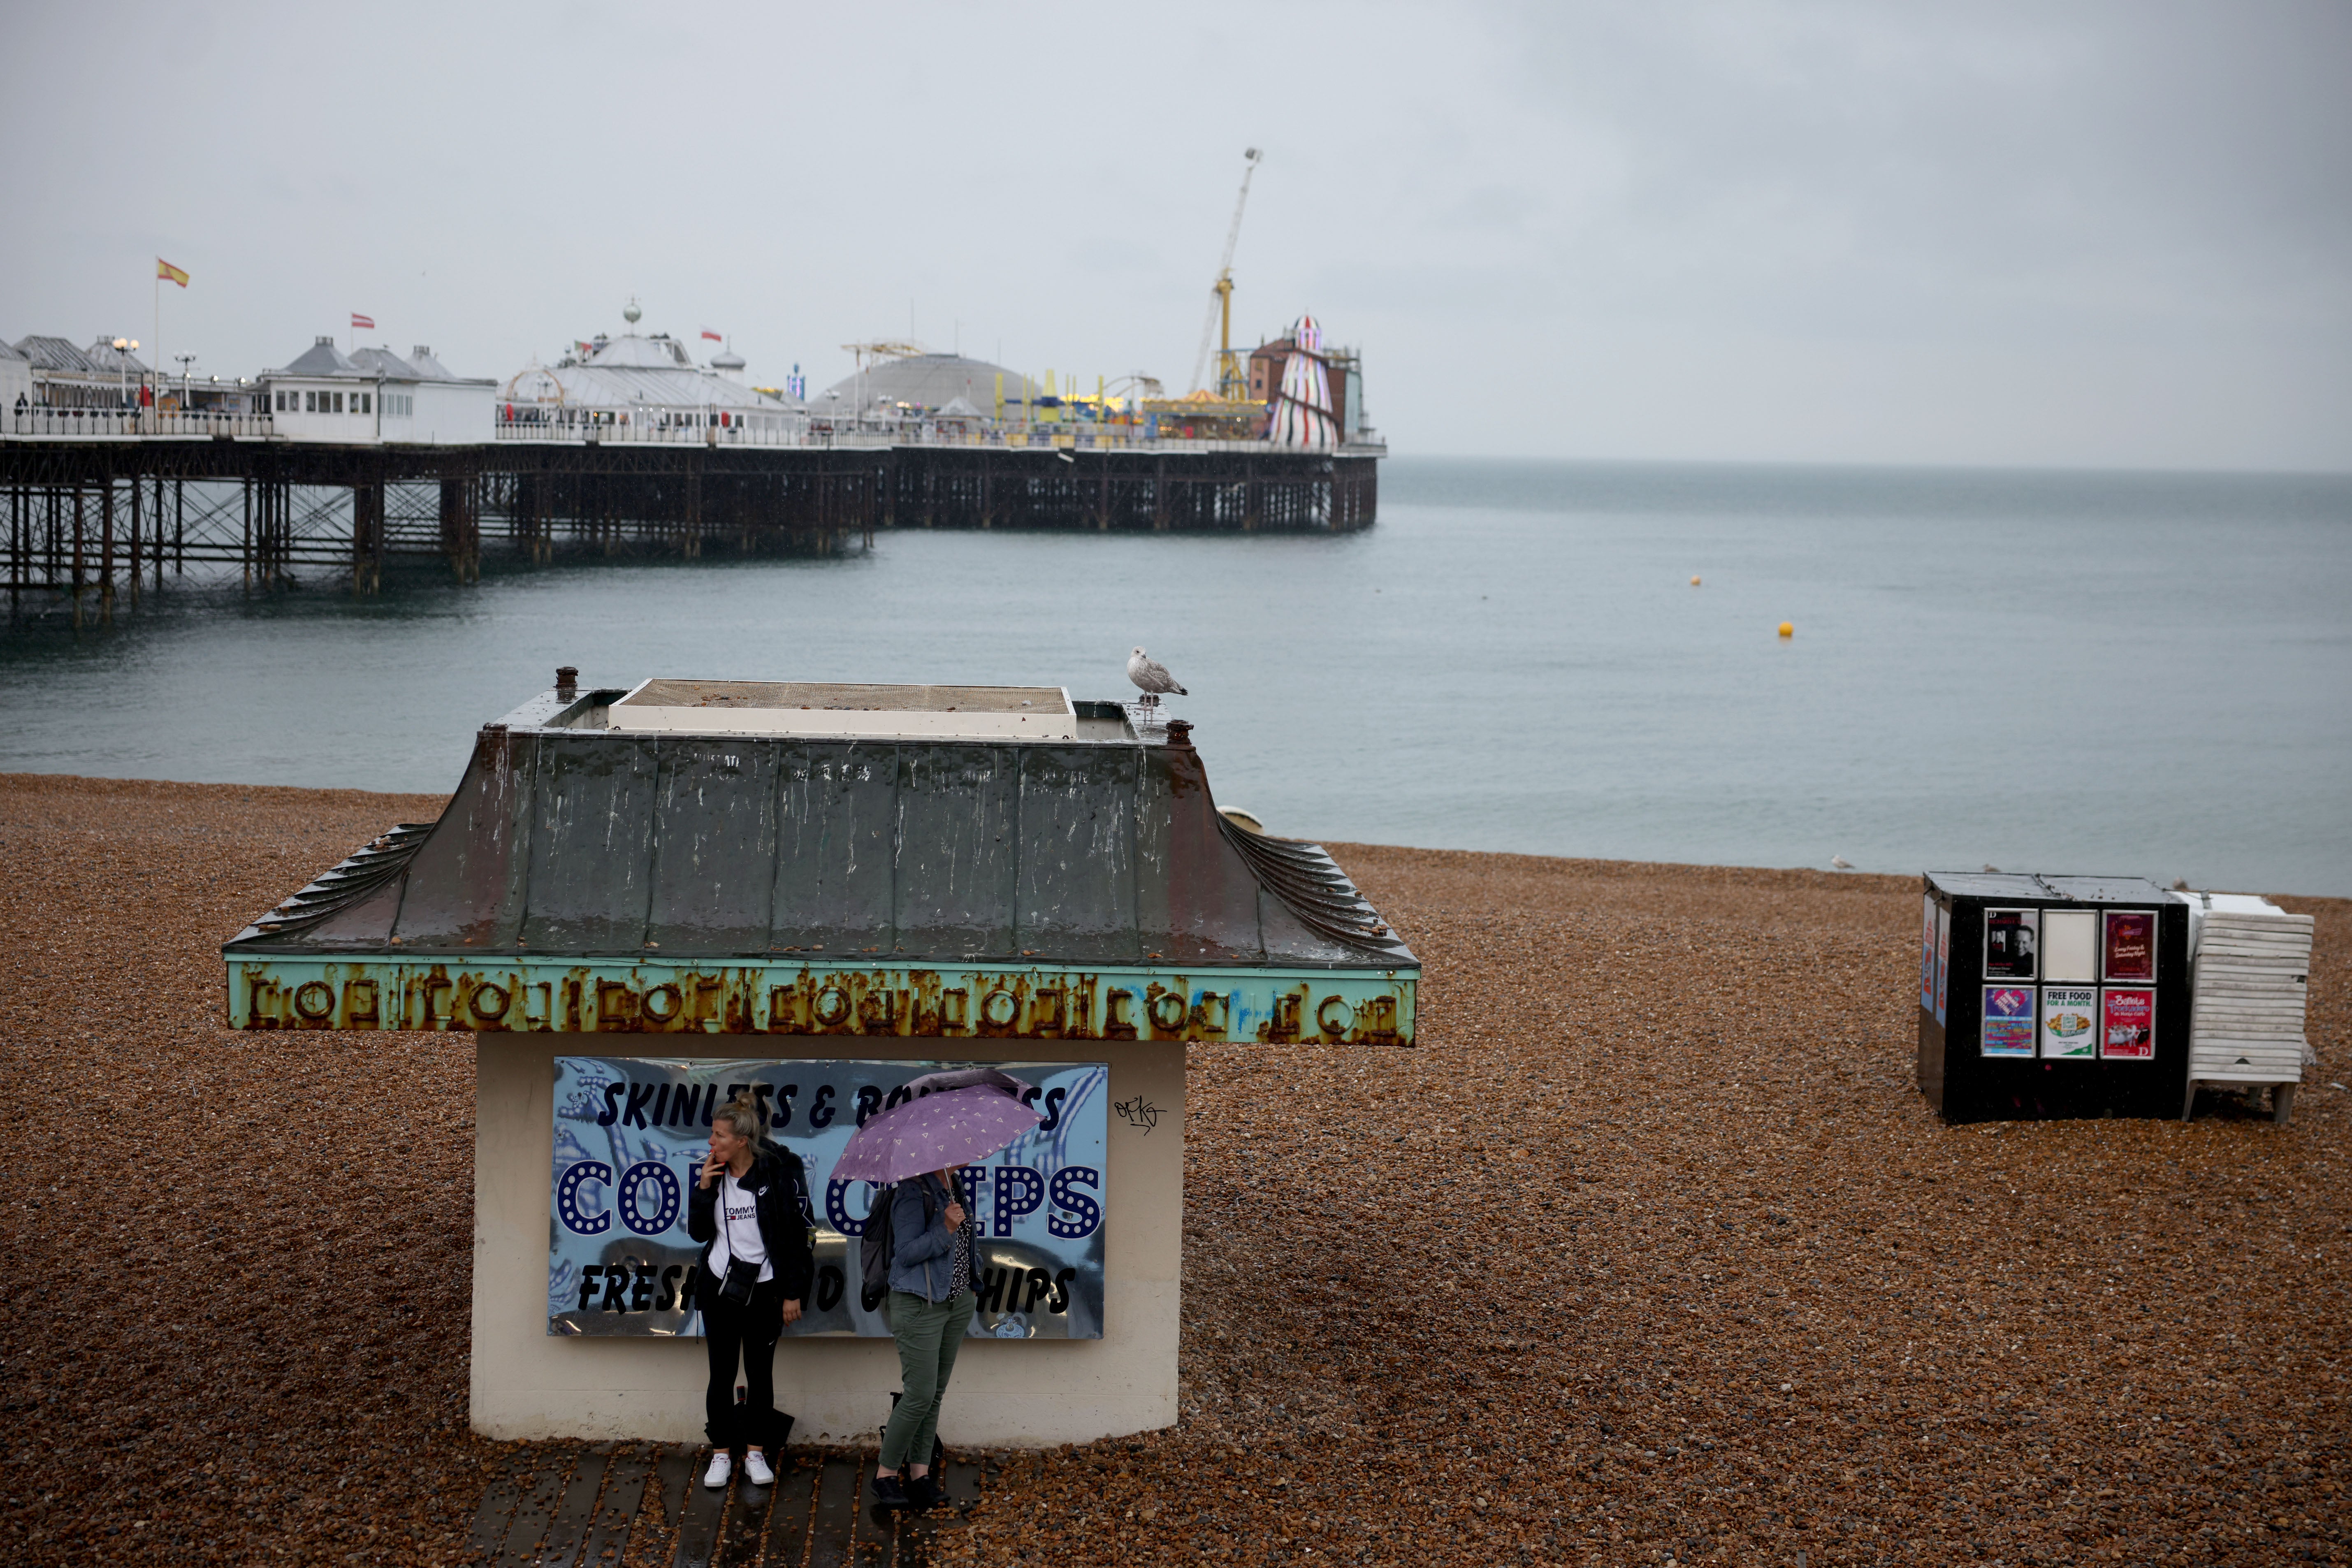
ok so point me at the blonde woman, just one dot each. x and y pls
(749, 1209)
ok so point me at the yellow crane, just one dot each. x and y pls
(1231, 385)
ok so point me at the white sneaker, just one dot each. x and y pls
(715, 1477)
(756, 1471)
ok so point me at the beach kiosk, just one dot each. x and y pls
(642, 899)
(2052, 996)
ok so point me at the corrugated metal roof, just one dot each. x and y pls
(608, 386)
(322, 358)
(99, 359)
(630, 352)
(566, 841)
(385, 364)
(2025, 888)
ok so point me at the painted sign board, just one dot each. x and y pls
(2127, 1022)
(1927, 953)
(2070, 1023)
(631, 1133)
(1943, 958)
(2008, 1022)
(804, 997)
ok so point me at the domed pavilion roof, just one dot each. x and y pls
(928, 382)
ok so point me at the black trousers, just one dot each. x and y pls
(748, 1332)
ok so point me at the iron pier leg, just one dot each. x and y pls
(78, 556)
(106, 553)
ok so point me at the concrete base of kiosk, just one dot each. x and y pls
(527, 1383)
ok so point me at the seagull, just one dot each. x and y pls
(1841, 862)
(1152, 676)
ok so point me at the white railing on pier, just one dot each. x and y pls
(146, 424)
(881, 437)
(649, 433)
(130, 424)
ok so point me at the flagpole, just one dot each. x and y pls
(157, 341)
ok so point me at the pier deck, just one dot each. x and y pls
(115, 504)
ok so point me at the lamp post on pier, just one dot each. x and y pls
(122, 347)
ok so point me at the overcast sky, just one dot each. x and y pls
(2091, 233)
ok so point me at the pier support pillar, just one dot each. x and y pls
(461, 524)
(367, 536)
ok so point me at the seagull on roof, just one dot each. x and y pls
(1152, 676)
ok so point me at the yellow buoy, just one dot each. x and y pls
(1694, 581)
(1787, 629)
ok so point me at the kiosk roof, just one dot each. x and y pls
(570, 838)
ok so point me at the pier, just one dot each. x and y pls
(104, 507)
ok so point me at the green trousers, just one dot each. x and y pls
(929, 1336)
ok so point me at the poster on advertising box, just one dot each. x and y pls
(2070, 1022)
(2009, 944)
(2008, 1022)
(1927, 953)
(2127, 1023)
(631, 1133)
(2070, 945)
(2130, 952)
(1943, 958)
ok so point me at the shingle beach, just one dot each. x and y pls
(1649, 1250)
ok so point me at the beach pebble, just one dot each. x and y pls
(1649, 1248)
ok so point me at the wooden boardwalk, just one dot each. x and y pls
(596, 1505)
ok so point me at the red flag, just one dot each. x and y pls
(714, 337)
(363, 323)
(170, 274)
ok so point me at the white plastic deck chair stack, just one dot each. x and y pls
(2251, 973)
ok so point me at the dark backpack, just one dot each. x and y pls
(879, 1241)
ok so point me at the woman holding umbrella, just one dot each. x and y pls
(930, 1306)
(954, 1118)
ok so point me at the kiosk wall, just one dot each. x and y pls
(2045, 997)
(528, 1383)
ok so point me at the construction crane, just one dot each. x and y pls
(1230, 385)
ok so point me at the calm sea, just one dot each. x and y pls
(2100, 673)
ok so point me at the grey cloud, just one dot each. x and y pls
(2087, 233)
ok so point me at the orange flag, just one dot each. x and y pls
(165, 269)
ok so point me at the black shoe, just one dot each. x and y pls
(922, 1491)
(889, 1490)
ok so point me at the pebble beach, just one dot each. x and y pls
(1649, 1252)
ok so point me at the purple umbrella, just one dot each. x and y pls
(968, 1116)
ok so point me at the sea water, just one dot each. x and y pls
(2137, 673)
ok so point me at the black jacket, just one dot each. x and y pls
(780, 1190)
